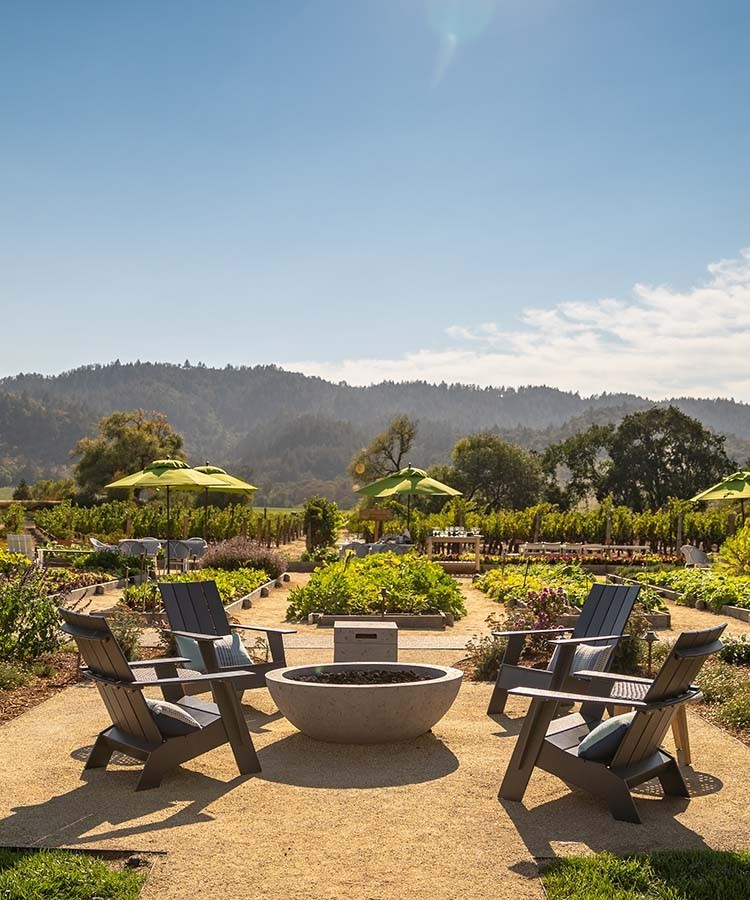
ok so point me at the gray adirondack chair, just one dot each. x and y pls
(552, 744)
(601, 623)
(195, 612)
(134, 729)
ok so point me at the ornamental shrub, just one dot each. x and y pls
(736, 650)
(353, 586)
(29, 624)
(734, 556)
(321, 522)
(241, 553)
(486, 653)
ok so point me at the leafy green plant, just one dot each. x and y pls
(511, 585)
(413, 585)
(485, 653)
(321, 555)
(10, 562)
(717, 681)
(231, 585)
(127, 626)
(715, 589)
(11, 676)
(321, 522)
(106, 561)
(542, 609)
(734, 712)
(13, 518)
(734, 556)
(29, 625)
(736, 649)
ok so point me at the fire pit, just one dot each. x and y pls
(364, 703)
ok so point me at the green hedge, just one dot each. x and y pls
(414, 584)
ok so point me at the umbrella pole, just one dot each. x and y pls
(408, 513)
(169, 530)
(205, 513)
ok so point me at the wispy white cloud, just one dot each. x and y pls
(660, 342)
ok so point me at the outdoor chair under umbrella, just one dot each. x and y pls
(232, 485)
(410, 481)
(170, 474)
(735, 487)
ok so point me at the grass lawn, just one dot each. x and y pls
(38, 875)
(667, 875)
(6, 493)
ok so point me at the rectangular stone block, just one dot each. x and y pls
(365, 642)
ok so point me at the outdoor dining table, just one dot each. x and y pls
(462, 541)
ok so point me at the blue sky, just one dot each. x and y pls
(464, 190)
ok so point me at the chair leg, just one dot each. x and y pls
(511, 657)
(621, 803)
(153, 772)
(498, 699)
(672, 781)
(276, 646)
(526, 752)
(240, 741)
(681, 736)
(100, 755)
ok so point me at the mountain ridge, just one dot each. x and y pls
(295, 432)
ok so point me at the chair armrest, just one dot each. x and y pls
(610, 676)
(263, 628)
(159, 682)
(195, 636)
(150, 663)
(533, 631)
(565, 697)
(588, 640)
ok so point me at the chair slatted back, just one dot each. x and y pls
(104, 657)
(673, 680)
(21, 543)
(195, 606)
(606, 609)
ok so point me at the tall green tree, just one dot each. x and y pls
(386, 453)
(576, 468)
(127, 442)
(494, 473)
(662, 453)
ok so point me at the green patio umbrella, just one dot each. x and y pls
(170, 474)
(232, 485)
(735, 487)
(410, 481)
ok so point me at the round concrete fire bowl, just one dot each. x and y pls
(364, 713)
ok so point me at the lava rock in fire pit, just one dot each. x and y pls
(362, 676)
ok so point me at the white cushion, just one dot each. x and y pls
(171, 718)
(586, 657)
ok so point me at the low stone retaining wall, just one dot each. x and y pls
(247, 601)
(97, 589)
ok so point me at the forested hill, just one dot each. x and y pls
(294, 431)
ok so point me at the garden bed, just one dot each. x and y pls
(36, 688)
